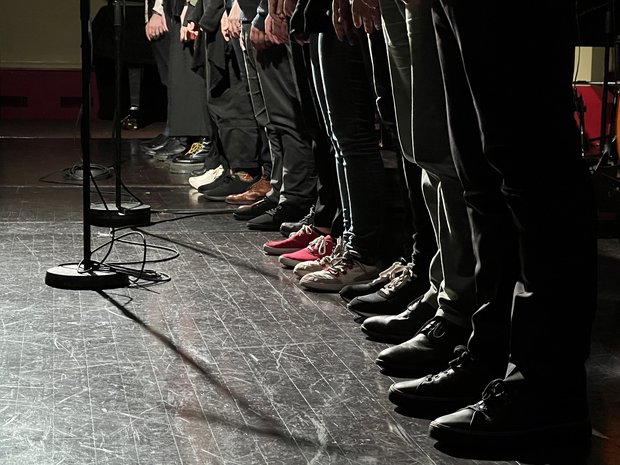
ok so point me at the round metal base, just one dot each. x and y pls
(72, 276)
(131, 214)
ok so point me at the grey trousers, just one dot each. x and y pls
(277, 107)
(423, 134)
(187, 94)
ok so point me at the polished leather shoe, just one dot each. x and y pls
(460, 385)
(392, 298)
(272, 219)
(399, 328)
(196, 154)
(256, 192)
(155, 143)
(132, 121)
(429, 351)
(247, 212)
(348, 293)
(508, 417)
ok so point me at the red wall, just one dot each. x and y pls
(42, 94)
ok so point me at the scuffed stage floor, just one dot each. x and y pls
(228, 363)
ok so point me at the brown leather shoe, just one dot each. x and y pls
(256, 192)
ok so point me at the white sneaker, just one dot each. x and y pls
(304, 268)
(207, 178)
(341, 272)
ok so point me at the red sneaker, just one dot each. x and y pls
(296, 241)
(317, 249)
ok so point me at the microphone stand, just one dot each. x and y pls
(85, 275)
(128, 214)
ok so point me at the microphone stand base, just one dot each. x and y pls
(130, 215)
(73, 276)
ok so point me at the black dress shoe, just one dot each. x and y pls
(399, 328)
(247, 212)
(456, 387)
(132, 121)
(508, 417)
(429, 351)
(154, 144)
(196, 154)
(272, 219)
(392, 298)
(350, 292)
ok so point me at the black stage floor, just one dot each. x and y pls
(228, 363)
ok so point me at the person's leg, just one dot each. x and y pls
(187, 109)
(430, 149)
(292, 140)
(552, 212)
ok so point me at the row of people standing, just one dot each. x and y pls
(504, 237)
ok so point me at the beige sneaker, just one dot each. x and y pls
(341, 272)
(304, 268)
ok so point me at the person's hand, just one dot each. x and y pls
(156, 27)
(234, 21)
(189, 32)
(342, 19)
(276, 30)
(259, 39)
(225, 27)
(366, 13)
(289, 7)
(276, 8)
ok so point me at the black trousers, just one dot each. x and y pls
(530, 203)
(187, 95)
(230, 107)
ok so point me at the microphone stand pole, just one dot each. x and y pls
(128, 214)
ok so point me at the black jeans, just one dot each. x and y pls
(530, 203)
(348, 83)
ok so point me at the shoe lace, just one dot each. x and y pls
(394, 269)
(318, 245)
(463, 359)
(340, 265)
(305, 229)
(195, 147)
(494, 396)
(336, 254)
(406, 275)
(433, 327)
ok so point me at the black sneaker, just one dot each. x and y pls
(173, 146)
(348, 293)
(392, 298)
(429, 351)
(273, 219)
(287, 228)
(235, 183)
(399, 328)
(153, 144)
(247, 212)
(460, 385)
(508, 416)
